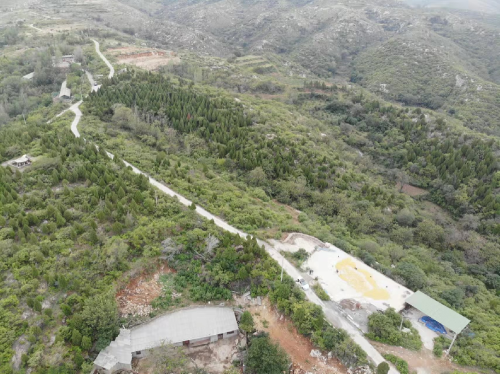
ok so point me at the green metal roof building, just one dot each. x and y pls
(439, 312)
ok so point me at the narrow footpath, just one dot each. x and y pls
(335, 318)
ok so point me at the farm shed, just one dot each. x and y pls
(65, 93)
(188, 327)
(439, 312)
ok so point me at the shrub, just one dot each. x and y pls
(383, 368)
(246, 322)
(384, 327)
(438, 349)
(440, 344)
(405, 217)
(321, 292)
(266, 357)
(401, 364)
(301, 255)
(414, 277)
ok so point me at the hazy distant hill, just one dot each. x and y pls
(486, 6)
(438, 58)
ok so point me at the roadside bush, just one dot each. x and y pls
(384, 327)
(321, 292)
(401, 364)
(383, 368)
(301, 255)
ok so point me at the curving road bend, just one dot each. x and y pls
(75, 108)
(332, 315)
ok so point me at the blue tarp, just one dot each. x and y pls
(433, 325)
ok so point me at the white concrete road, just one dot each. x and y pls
(111, 68)
(332, 315)
(75, 108)
(93, 86)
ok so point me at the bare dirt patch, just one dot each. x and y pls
(136, 297)
(297, 346)
(149, 59)
(216, 357)
(411, 190)
(423, 361)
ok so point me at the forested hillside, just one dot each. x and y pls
(71, 226)
(369, 125)
(365, 215)
(440, 59)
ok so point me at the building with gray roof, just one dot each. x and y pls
(65, 93)
(188, 327)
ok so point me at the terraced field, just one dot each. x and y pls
(258, 64)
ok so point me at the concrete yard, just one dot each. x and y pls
(427, 335)
(296, 241)
(343, 276)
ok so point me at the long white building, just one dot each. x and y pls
(188, 327)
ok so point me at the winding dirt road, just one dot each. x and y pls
(332, 315)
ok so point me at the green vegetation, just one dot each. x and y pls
(459, 169)
(333, 153)
(440, 344)
(357, 210)
(65, 238)
(383, 368)
(266, 357)
(246, 322)
(384, 327)
(10, 36)
(19, 96)
(320, 292)
(401, 364)
(74, 221)
(467, 89)
(297, 258)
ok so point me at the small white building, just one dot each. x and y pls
(187, 327)
(22, 161)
